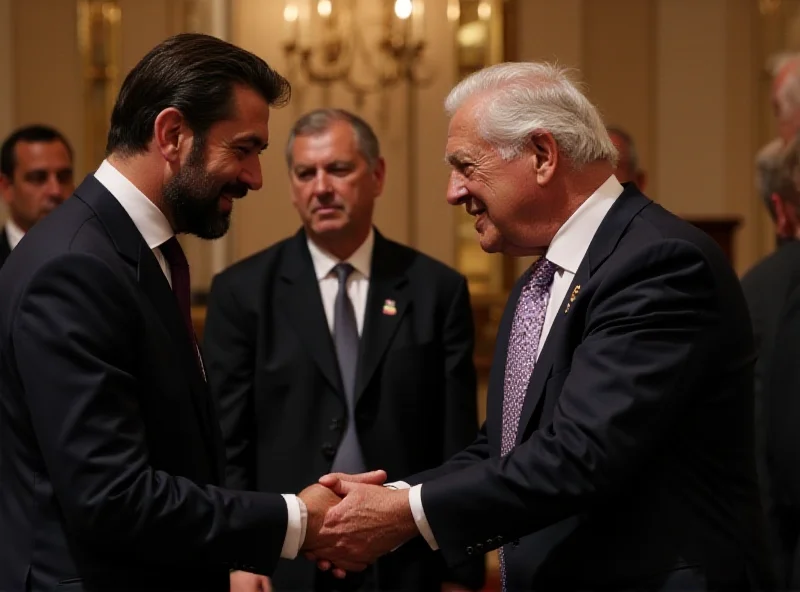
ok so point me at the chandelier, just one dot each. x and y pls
(366, 45)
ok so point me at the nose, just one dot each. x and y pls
(322, 184)
(251, 174)
(55, 190)
(456, 192)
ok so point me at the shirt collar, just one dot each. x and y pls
(14, 233)
(572, 240)
(361, 259)
(148, 219)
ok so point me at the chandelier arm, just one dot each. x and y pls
(384, 66)
(322, 75)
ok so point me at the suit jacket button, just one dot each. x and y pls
(479, 547)
(498, 540)
(336, 424)
(470, 550)
(328, 450)
(492, 543)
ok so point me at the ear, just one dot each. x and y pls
(171, 134)
(544, 153)
(379, 174)
(785, 217)
(6, 191)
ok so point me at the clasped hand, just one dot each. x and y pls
(353, 520)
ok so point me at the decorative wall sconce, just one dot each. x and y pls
(332, 41)
(100, 45)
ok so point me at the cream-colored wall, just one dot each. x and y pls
(6, 74)
(47, 72)
(681, 75)
(6, 68)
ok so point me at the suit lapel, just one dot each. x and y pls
(387, 302)
(605, 240)
(151, 279)
(544, 363)
(302, 301)
(5, 247)
(154, 284)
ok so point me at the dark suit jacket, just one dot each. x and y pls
(767, 287)
(272, 367)
(110, 452)
(5, 247)
(782, 383)
(634, 463)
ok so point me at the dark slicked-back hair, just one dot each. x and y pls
(195, 74)
(29, 133)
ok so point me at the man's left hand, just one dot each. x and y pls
(369, 522)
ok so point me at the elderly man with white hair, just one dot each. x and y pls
(617, 453)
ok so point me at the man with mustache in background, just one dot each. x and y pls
(338, 349)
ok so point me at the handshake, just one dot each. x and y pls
(353, 520)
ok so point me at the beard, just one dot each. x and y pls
(193, 196)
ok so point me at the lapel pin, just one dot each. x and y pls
(389, 307)
(572, 297)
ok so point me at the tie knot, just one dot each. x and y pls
(343, 271)
(542, 272)
(173, 253)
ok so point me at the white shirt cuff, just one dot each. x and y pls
(295, 527)
(418, 512)
(398, 485)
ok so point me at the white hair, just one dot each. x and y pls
(787, 93)
(525, 97)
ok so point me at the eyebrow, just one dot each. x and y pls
(456, 158)
(254, 140)
(332, 164)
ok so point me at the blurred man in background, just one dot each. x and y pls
(35, 176)
(627, 169)
(769, 282)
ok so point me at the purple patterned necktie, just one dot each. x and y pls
(523, 344)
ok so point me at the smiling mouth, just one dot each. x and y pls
(475, 212)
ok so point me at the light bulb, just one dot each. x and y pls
(403, 9)
(324, 8)
(290, 12)
(485, 10)
(453, 10)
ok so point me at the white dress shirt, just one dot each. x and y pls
(357, 282)
(156, 230)
(567, 250)
(14, 234)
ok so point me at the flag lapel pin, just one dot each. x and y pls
(389, 307)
